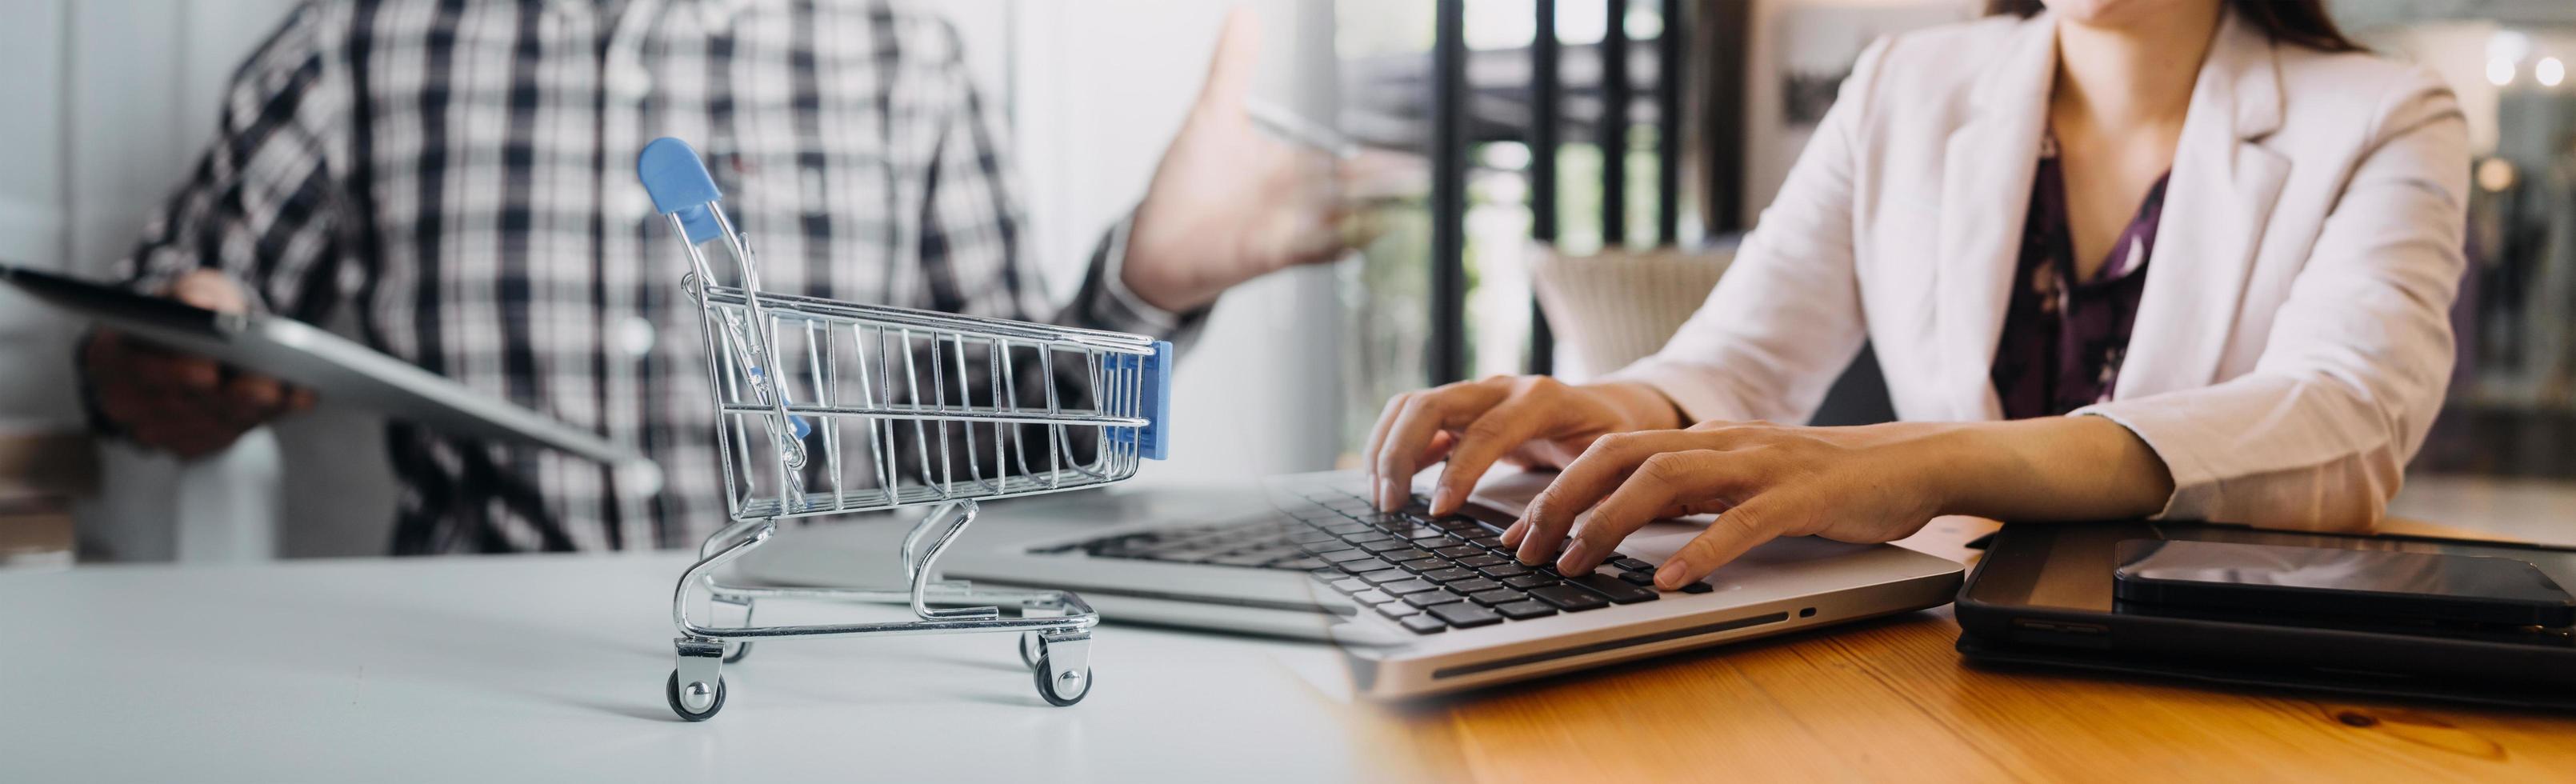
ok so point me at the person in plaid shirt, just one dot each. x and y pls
(461, 173)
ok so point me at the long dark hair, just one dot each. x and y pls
(2302, 22)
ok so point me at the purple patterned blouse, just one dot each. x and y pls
(2062, 344)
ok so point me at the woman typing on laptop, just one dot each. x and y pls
(2190, 259)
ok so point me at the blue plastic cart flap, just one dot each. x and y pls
(678, 182)
(1155, 438)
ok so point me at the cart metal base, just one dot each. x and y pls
(1054, 627)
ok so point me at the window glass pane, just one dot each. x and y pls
(1385, 52)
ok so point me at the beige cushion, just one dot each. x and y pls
(1618, 306)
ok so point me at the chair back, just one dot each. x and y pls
(1618, 306)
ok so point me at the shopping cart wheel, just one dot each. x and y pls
(1059, 689)
(671, 691)
(1031, 649)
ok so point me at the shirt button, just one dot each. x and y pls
(634, 201)
(634, 335)
(631, 88)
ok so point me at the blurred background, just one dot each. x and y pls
(1584, 164)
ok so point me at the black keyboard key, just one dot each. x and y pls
(1465, 616)
(1482, 560)
(1406, 554)
(1464, 526)
(1632, 564)
(1529, 581)
(1299, 564)
(1424, 565)
(1507, 570)
(1363, 565)
(1372, 597)
(1570, 598)
(1524, 609)
(1384, 576)
(1612, 587)
(1462, 551)
(1474, 586)
(1398, 610)
(1402, 587)
(1350, 585)
(1313, 537)
(1698, 587)
(1365, 512)
(1639, 579)
(1424, 624)
(1384, 543)
(1342, 555)
(1487, 541)
(1496, 596)
(1429, 599)
(1450, 575)
(1348, 528)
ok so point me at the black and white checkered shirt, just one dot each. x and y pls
(462, 172)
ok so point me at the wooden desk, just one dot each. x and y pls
(1889, 700)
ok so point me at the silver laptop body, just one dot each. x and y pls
(1186, 575)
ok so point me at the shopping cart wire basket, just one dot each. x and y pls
(827, 407)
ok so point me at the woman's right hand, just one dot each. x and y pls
(1529, 420)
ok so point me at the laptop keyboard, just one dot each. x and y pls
(1428, 574)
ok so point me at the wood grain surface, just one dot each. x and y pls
(1889, 700)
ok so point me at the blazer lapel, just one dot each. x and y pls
(2216, 207)
(1985, 193)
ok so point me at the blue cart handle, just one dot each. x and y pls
(678, 182)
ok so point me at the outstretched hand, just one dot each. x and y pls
(1229, 203)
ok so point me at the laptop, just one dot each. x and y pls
(1419, 604)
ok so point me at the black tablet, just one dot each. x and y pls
(2045, 594)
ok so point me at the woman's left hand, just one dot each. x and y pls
(1874, 483)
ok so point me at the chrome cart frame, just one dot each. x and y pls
(798, 371)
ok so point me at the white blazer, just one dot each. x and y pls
(2293, 341)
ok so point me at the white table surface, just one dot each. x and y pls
(550, 668)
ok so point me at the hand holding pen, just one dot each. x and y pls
(1230, 203)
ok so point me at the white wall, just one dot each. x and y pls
(117, 97)
(32, 218)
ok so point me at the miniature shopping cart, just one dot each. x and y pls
(829, 408)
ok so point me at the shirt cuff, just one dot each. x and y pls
(1113, 271)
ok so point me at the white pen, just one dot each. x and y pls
(1287, 125)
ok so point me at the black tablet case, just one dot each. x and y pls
(2240, 655)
